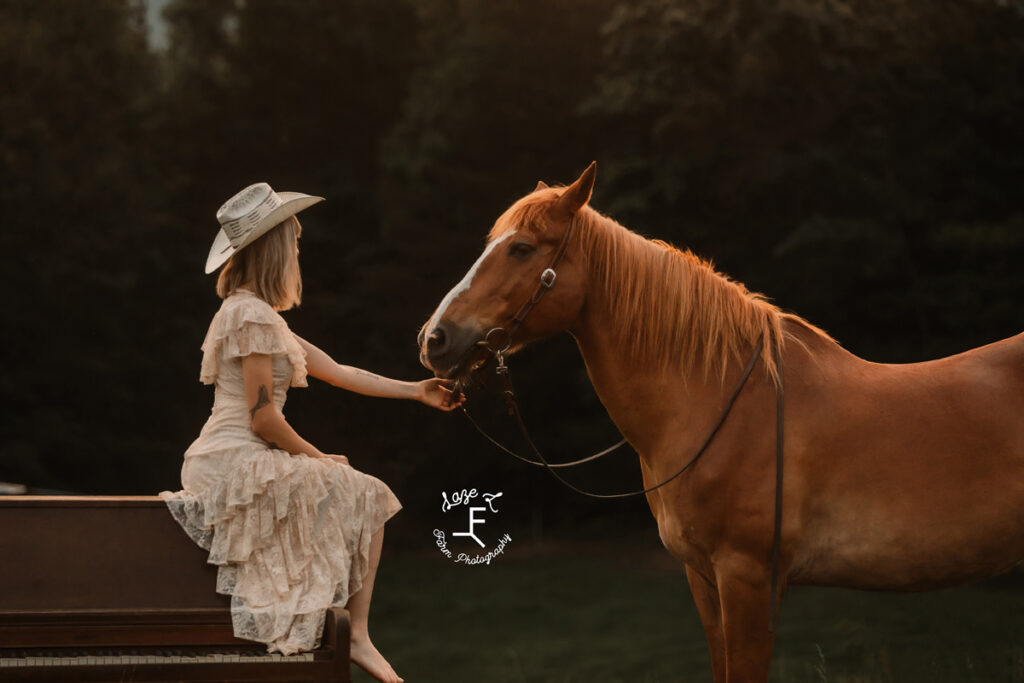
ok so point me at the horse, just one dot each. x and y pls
(897, 476)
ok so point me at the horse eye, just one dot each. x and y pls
(521, 249)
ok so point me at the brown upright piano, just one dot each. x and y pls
(111, 589)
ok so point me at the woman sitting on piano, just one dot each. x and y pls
(293, 530)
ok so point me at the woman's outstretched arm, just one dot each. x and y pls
(432, 392)
(267, 421)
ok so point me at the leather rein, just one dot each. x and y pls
(497, 350)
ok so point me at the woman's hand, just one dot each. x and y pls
(337, 458)
(435, 393)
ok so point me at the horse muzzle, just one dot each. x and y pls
(447, 350)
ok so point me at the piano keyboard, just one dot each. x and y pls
(213, 658)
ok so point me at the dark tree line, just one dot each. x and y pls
(858, 162)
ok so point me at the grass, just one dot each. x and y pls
(620, 610)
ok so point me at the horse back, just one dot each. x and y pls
(908, 476)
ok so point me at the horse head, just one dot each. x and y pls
(482, 308)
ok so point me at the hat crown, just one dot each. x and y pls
(240, 215)
(250, 214)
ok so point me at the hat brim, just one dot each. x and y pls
(291, 204)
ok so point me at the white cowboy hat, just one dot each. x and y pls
(248, 215)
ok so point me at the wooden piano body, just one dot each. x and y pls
(111, 589)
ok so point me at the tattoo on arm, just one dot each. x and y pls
(364, 373)
(262, 399)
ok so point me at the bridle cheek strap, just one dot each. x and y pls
(547, 280)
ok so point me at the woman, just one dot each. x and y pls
(292, 529)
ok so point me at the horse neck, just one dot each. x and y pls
(642, 396)
(647, 398)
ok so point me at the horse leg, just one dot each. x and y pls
(705, 594)
(745, 587)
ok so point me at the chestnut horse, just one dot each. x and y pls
(897, 477)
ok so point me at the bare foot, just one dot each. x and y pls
(365, 655)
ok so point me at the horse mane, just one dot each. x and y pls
(666, 299)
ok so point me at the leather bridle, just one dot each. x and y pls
(504, 342)
(547, 281)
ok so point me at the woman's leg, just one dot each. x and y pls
(359, 603)
(363, 652)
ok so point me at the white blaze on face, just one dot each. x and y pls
(464, 284)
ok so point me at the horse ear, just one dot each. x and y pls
(541, 185)
(577, 195)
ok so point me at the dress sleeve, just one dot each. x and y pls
(249, 326)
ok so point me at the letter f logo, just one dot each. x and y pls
(473, 521)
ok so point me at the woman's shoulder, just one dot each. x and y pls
(247, 324)
(242, 306)
(245, 297)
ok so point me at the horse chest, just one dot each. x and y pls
(679, 533)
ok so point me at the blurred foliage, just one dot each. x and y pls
(853, 160)
(858, 162)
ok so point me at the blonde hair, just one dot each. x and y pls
(270, 266)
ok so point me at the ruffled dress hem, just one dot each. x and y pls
(284, 564)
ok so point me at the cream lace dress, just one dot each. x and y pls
(290, 533)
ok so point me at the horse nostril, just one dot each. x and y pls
(437, 339)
